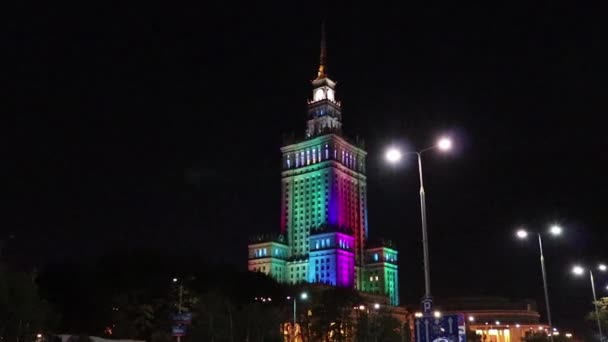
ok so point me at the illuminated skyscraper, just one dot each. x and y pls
(324, 208)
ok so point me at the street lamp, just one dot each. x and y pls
(578, 271)
(303, 296)
(393, 155)
(554, 230)
(179, 304)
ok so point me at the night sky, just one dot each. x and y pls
(160, 127)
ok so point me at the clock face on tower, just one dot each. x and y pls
(319, 95)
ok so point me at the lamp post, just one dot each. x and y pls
(303, 296)
(554, 230)
(393, 155)
(579, 270)
(179, 304)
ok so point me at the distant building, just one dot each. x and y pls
(496, 319)
(324, 230)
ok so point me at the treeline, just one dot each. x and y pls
(134, 295)
(23, 311)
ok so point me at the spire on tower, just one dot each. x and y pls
(323, 57)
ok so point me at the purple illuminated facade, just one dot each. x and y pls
(323, 205)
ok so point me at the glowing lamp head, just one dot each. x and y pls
(444, 144)
(175, 280)
(376, 306)
(471, 319)
(555, 230)
(361, 307)
(437, 314)
(304, 295)
(418, 314)
(393, 155)
(578, 270)
(522, 233)
(602, 267)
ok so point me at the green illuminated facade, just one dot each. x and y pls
(324, 228)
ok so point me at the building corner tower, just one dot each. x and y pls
(324, 207)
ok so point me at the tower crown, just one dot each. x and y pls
(324, 111)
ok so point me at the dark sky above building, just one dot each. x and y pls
(160, 127)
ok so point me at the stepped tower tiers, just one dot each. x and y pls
(324, 225)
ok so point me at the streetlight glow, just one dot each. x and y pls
(602, 267)
(376, 306)
(437, 314)
(393, 155)
(555, 230)
(578, 270)
(471, 319)
(444, 144)
(522, 234)
(304, 295)
(175, 280)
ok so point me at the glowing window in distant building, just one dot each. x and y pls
(375, 256)
(307, 157)
(288, 162)
(314, 156)
(326, 152)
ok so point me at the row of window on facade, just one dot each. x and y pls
(263, 252)
(318, 154)
(325, 243)
(311, 182)
(387, 257)
(259, 269)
